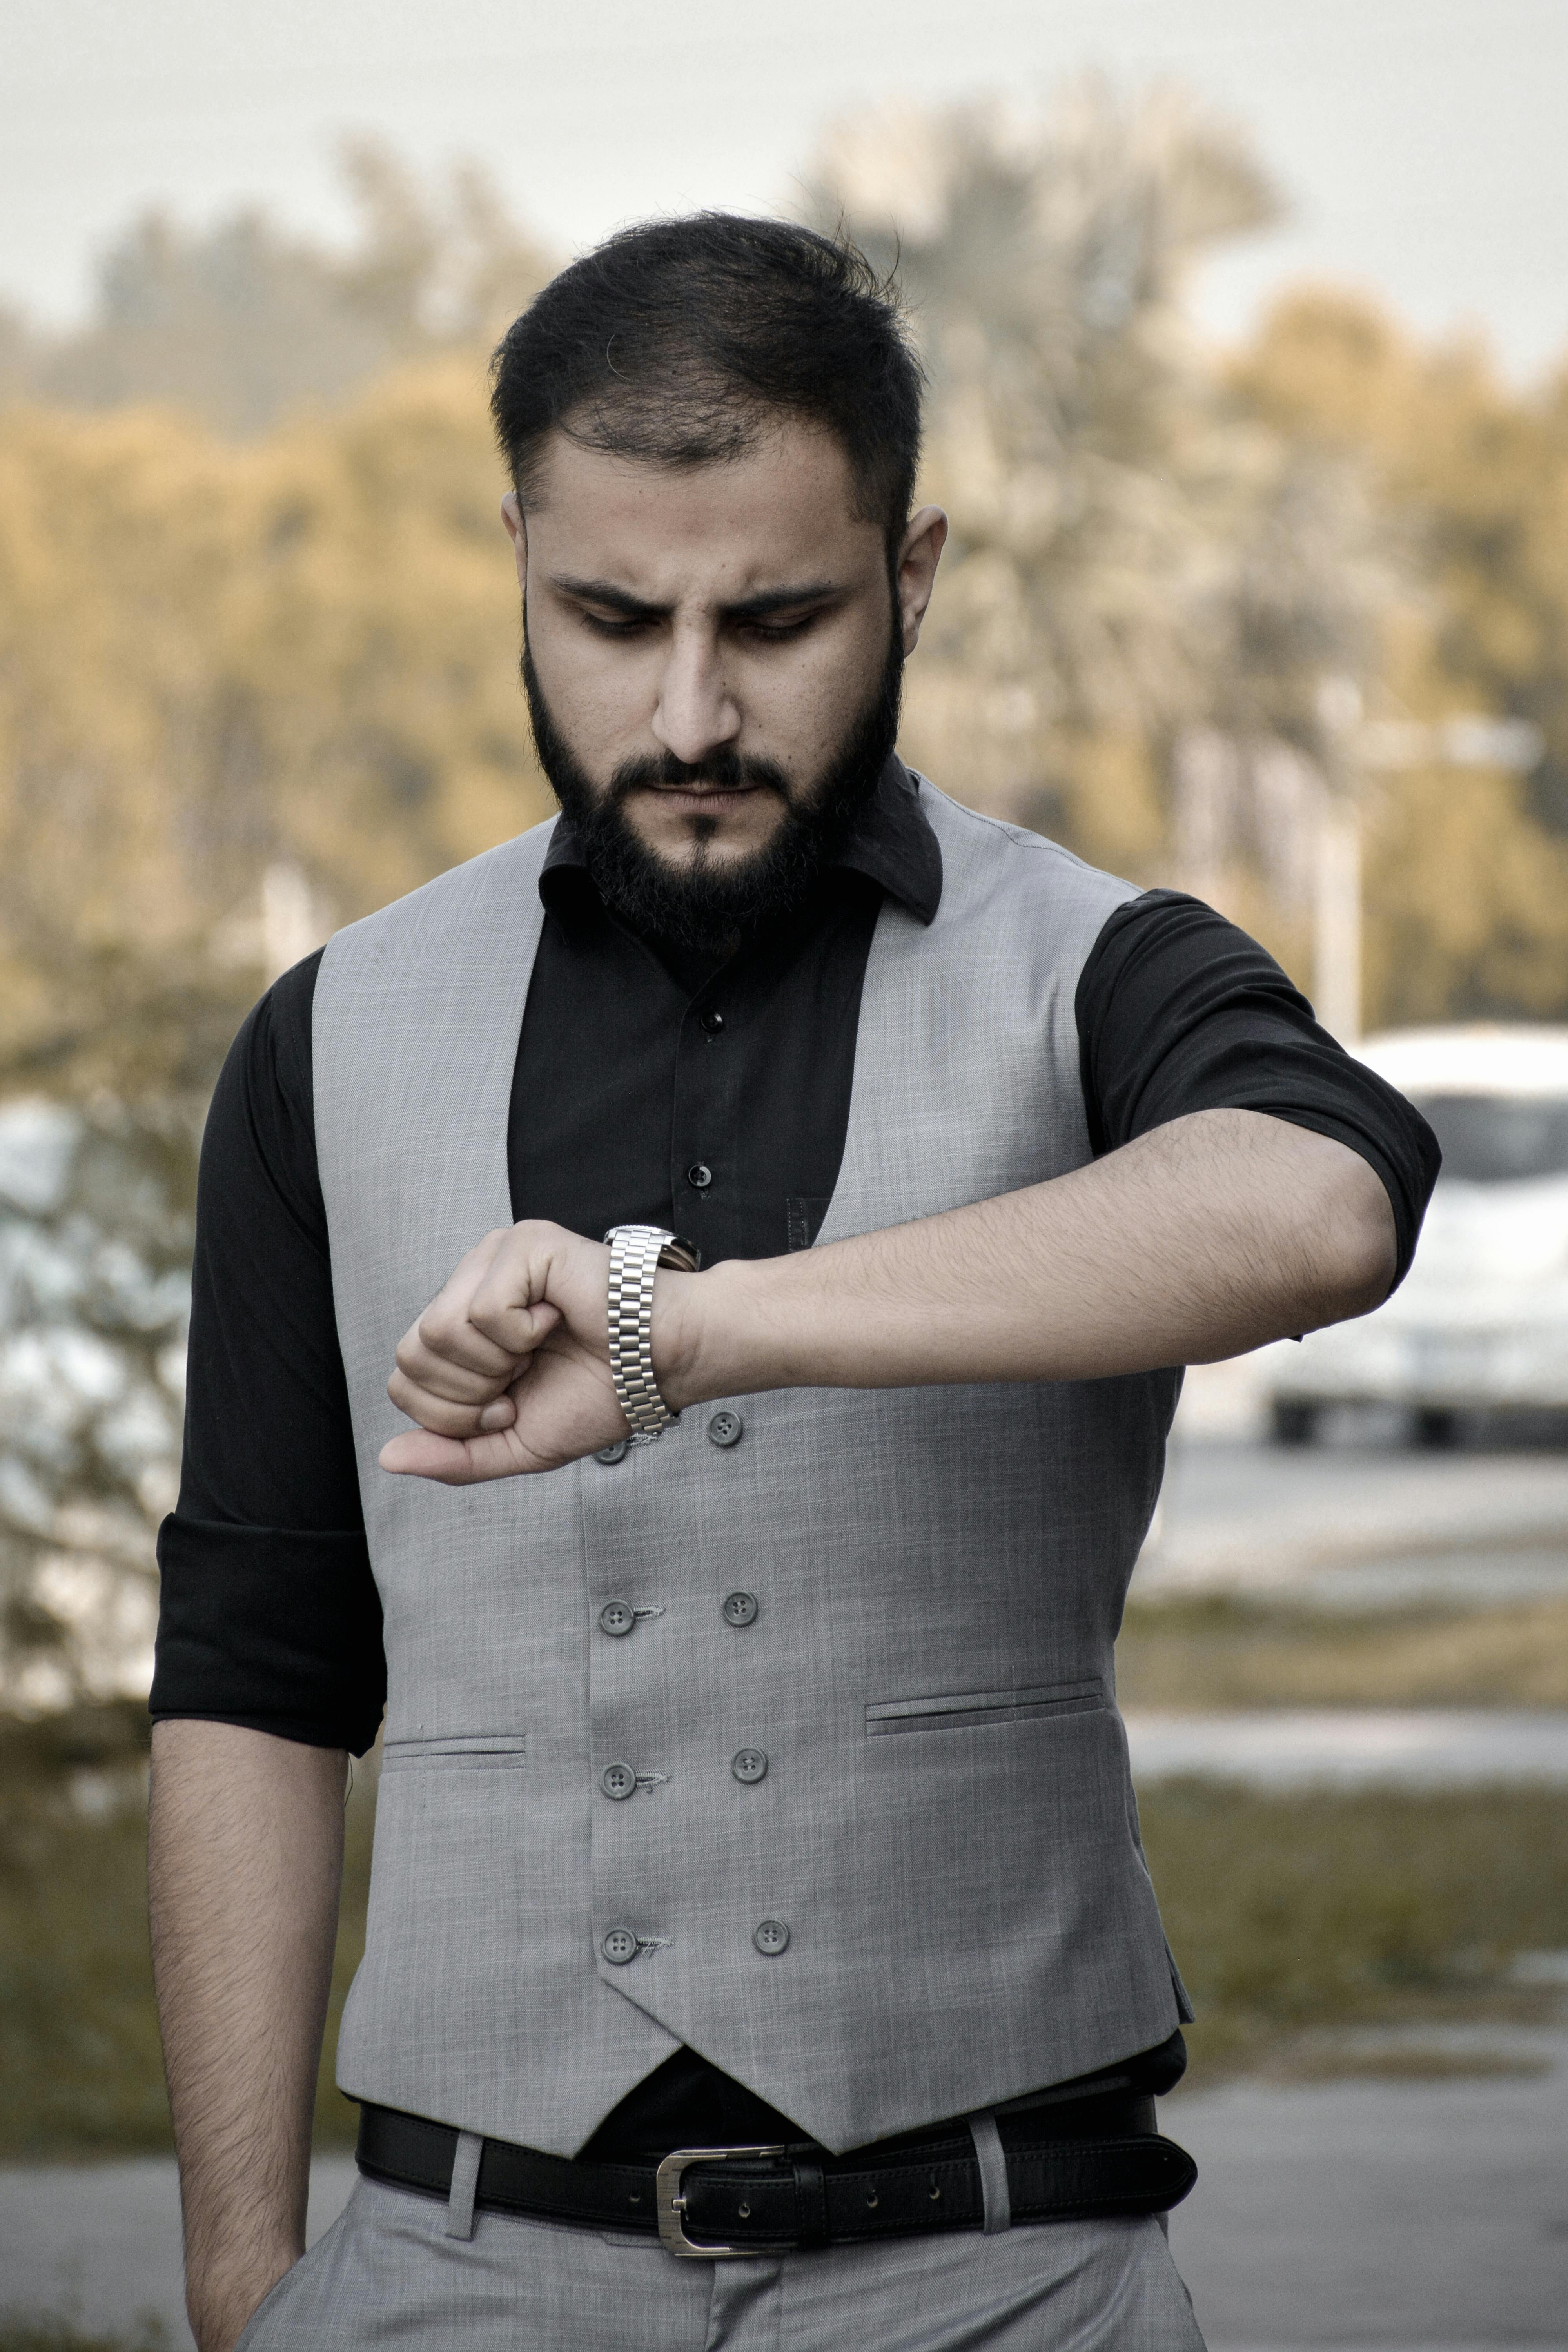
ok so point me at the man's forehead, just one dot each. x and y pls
(785, 507)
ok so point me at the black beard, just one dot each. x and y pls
(701, 907)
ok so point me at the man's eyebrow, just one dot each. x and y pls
(746, 608)
(780, 600)
(604, 592)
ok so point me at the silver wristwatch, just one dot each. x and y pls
(637, 1253)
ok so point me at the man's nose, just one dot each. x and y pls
(696, 713)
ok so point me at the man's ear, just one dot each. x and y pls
(918, 558)
(516, 523)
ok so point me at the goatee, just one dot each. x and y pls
(702, 905)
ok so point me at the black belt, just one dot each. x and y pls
(1099, 2155)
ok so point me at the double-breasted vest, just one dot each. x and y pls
(945, 1827)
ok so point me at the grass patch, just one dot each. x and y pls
(43, 2332)
(1295, 1918)
(1295, 1915)
(79, 2034)
(1227, 1653)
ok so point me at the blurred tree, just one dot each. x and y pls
(222, 662)
(95, 1237)
(246, 693)
(241, 322)
(1468, 868)
(1135, 555)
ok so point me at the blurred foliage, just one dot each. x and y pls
(55, 2332)
(289, 660)
(300, 652)
(95, 1211)
(259, 675)
(1288, 1915)
(1467, 872)
(1134, 552)
(241, 323)
(1153, 549)
(1220, 1653)
(79, 2037)
(1298, 1916)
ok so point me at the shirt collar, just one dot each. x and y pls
(891, 842)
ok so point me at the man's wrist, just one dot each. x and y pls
(698, 1320)
(223, 2297)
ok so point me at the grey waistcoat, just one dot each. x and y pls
(946, 1825)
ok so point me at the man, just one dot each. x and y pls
(751, 1778)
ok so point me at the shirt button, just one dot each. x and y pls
(699, 1176)
(749, 1764)
(615, 1452)
(740, 1608)
(621, 1946)
(711, 1021)
(726, 1428)
(771, 1937)
(619, 1781)
(617, 1617)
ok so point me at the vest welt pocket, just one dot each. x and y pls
(463, 1751)
(960, 1710)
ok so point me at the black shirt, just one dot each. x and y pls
(651, 1085)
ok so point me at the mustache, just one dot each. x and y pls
(723, 770)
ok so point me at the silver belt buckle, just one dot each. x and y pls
(670, 2205)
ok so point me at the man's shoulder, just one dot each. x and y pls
(985, 855)
(442, 907)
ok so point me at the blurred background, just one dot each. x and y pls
(1247, 337)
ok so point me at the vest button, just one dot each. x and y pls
(740, 1608)
(619, 1947)
(619, 1781)
(712, 1022)
(617, 1617)
(771, 1937)
(749, 1764)
(699, 1176)
(726, 1428)
(615, 1452)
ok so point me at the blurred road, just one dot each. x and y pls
(1409, 2216)
(1378, 2213)
(1363, 1523)
(1356, 1747)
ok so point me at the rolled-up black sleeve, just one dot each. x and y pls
(1178, 1011)
(269, 1614)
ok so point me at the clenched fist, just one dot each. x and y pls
(508, 1369)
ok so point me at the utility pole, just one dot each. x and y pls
(1355, 746)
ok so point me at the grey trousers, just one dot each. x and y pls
(391, 2270)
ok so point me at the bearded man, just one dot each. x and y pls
(787, 1193)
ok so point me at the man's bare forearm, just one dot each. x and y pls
(1199, 1240)
(245, 1858)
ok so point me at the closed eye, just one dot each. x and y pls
(775, 627)
(615, 624)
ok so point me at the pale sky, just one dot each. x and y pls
(1421, 143)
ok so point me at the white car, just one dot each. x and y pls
(1481, 1320)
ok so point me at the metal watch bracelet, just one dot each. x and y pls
(637, 1253)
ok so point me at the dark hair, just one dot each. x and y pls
(672, 341)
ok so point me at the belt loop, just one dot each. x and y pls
(459, 2220)
(992, 2161)
(810, 2199)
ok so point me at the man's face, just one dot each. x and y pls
(708, 644)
